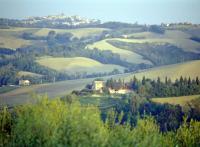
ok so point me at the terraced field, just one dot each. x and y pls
(124, 54)
(77, 65)
(174, 71)
(182, 100)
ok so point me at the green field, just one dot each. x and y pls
(82, 32)
(182, 100)
(124, 54)
(77, 65)
(187, 69)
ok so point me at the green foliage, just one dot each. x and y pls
(189, 134)
(57, 123)
(145, 134)
(5, 125)
(60, 123)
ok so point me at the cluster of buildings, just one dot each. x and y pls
(61, 19)
(98, 85)
(24, 82)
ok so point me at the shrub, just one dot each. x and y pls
(189, 134)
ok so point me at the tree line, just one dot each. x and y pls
(158, 88)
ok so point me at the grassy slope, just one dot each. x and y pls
(174, 71)
(177, 38)
(83, 32)
(9, 38)
(182, 100)
(124, 54)
(77, 64)
(22, 95)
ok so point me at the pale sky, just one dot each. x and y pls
(142, 11)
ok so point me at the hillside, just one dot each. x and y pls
(124, 54)
(187, 69)
(22, 95)
(82, 32)
(178, 38)
(77, 65)
(182, 100)
(10, 38)
(14, 35)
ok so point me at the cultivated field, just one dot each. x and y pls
(10, 38)
(82, 32)
(124, 54)
(177, 38)
(182, 100)
(77, 65)
(23, 94)
(187, 69)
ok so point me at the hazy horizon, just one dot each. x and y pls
(141, 11)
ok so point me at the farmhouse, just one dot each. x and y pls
(119, 91)
(24, 82)
(98, 85)
(124, 36)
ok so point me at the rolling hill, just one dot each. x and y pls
(10, 38)
(82, 32)
(126, 55)
(23, 94)
(77, 65)
(175, 37)
(187, 69)
(13, 35)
